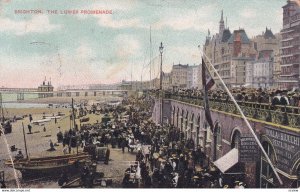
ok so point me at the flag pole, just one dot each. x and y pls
(243, 116)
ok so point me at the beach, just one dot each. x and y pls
(39, 141)
(63, 100)
(40, 105)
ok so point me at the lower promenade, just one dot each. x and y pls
(276, 126)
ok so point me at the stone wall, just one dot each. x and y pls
(190, 119)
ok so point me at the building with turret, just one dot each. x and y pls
(46, 89)
(229, 53)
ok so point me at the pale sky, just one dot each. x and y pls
(85, 49)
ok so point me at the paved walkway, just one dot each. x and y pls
(117, 165)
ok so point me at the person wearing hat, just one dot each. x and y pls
(197, 154)
(84, 175)
(146, 152)
(236, 184)
(220, 179)
(107, 154)
(156, 162)
(155, 177)
(139, 156)
(126, 180)
(191, 163)
(51, 146)
(168, 169)
(144, 171)
(241, 185)
(188, 177)
(19, 155)
(148, 182)
(175, 162)
(196, 181)
(181, 164)
(59, 136)
(29, 129)
(123, 143)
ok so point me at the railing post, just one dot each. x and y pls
(285, 115)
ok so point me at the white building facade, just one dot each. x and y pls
(259, 74)
(193, 77)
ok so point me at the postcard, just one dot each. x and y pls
(149, 94)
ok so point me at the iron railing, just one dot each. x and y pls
(278, 114)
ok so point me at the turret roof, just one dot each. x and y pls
(239, 35)
(269, 34)
(226, 35)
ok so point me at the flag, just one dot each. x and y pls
(207, 83)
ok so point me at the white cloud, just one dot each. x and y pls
(253, 26)
(248, 13)
(126, 46)
(198, 19)
(127, 50)
(85, 51)
(182, 54)
(22, 72)
(115, 71)
(61, 66)
(37, 24)
(67, 67)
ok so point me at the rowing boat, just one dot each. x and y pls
(51, 165)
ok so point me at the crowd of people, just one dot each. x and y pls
(264, 96)
(164, 157)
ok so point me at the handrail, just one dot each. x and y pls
(278, 114)
(239, 102)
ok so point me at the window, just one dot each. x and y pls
(208, 134)
(219, 136)
(267, 176)
(236, 140)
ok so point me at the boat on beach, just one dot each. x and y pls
(51, 165)
(5, 126)
(38, 122)
(54, 165)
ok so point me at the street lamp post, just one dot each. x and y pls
(161, 52)
(160, 84)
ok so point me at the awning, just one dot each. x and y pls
(228, 160)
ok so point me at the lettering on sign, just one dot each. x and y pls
(249, 150)
(286, 146)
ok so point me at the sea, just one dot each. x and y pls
(9, 100)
